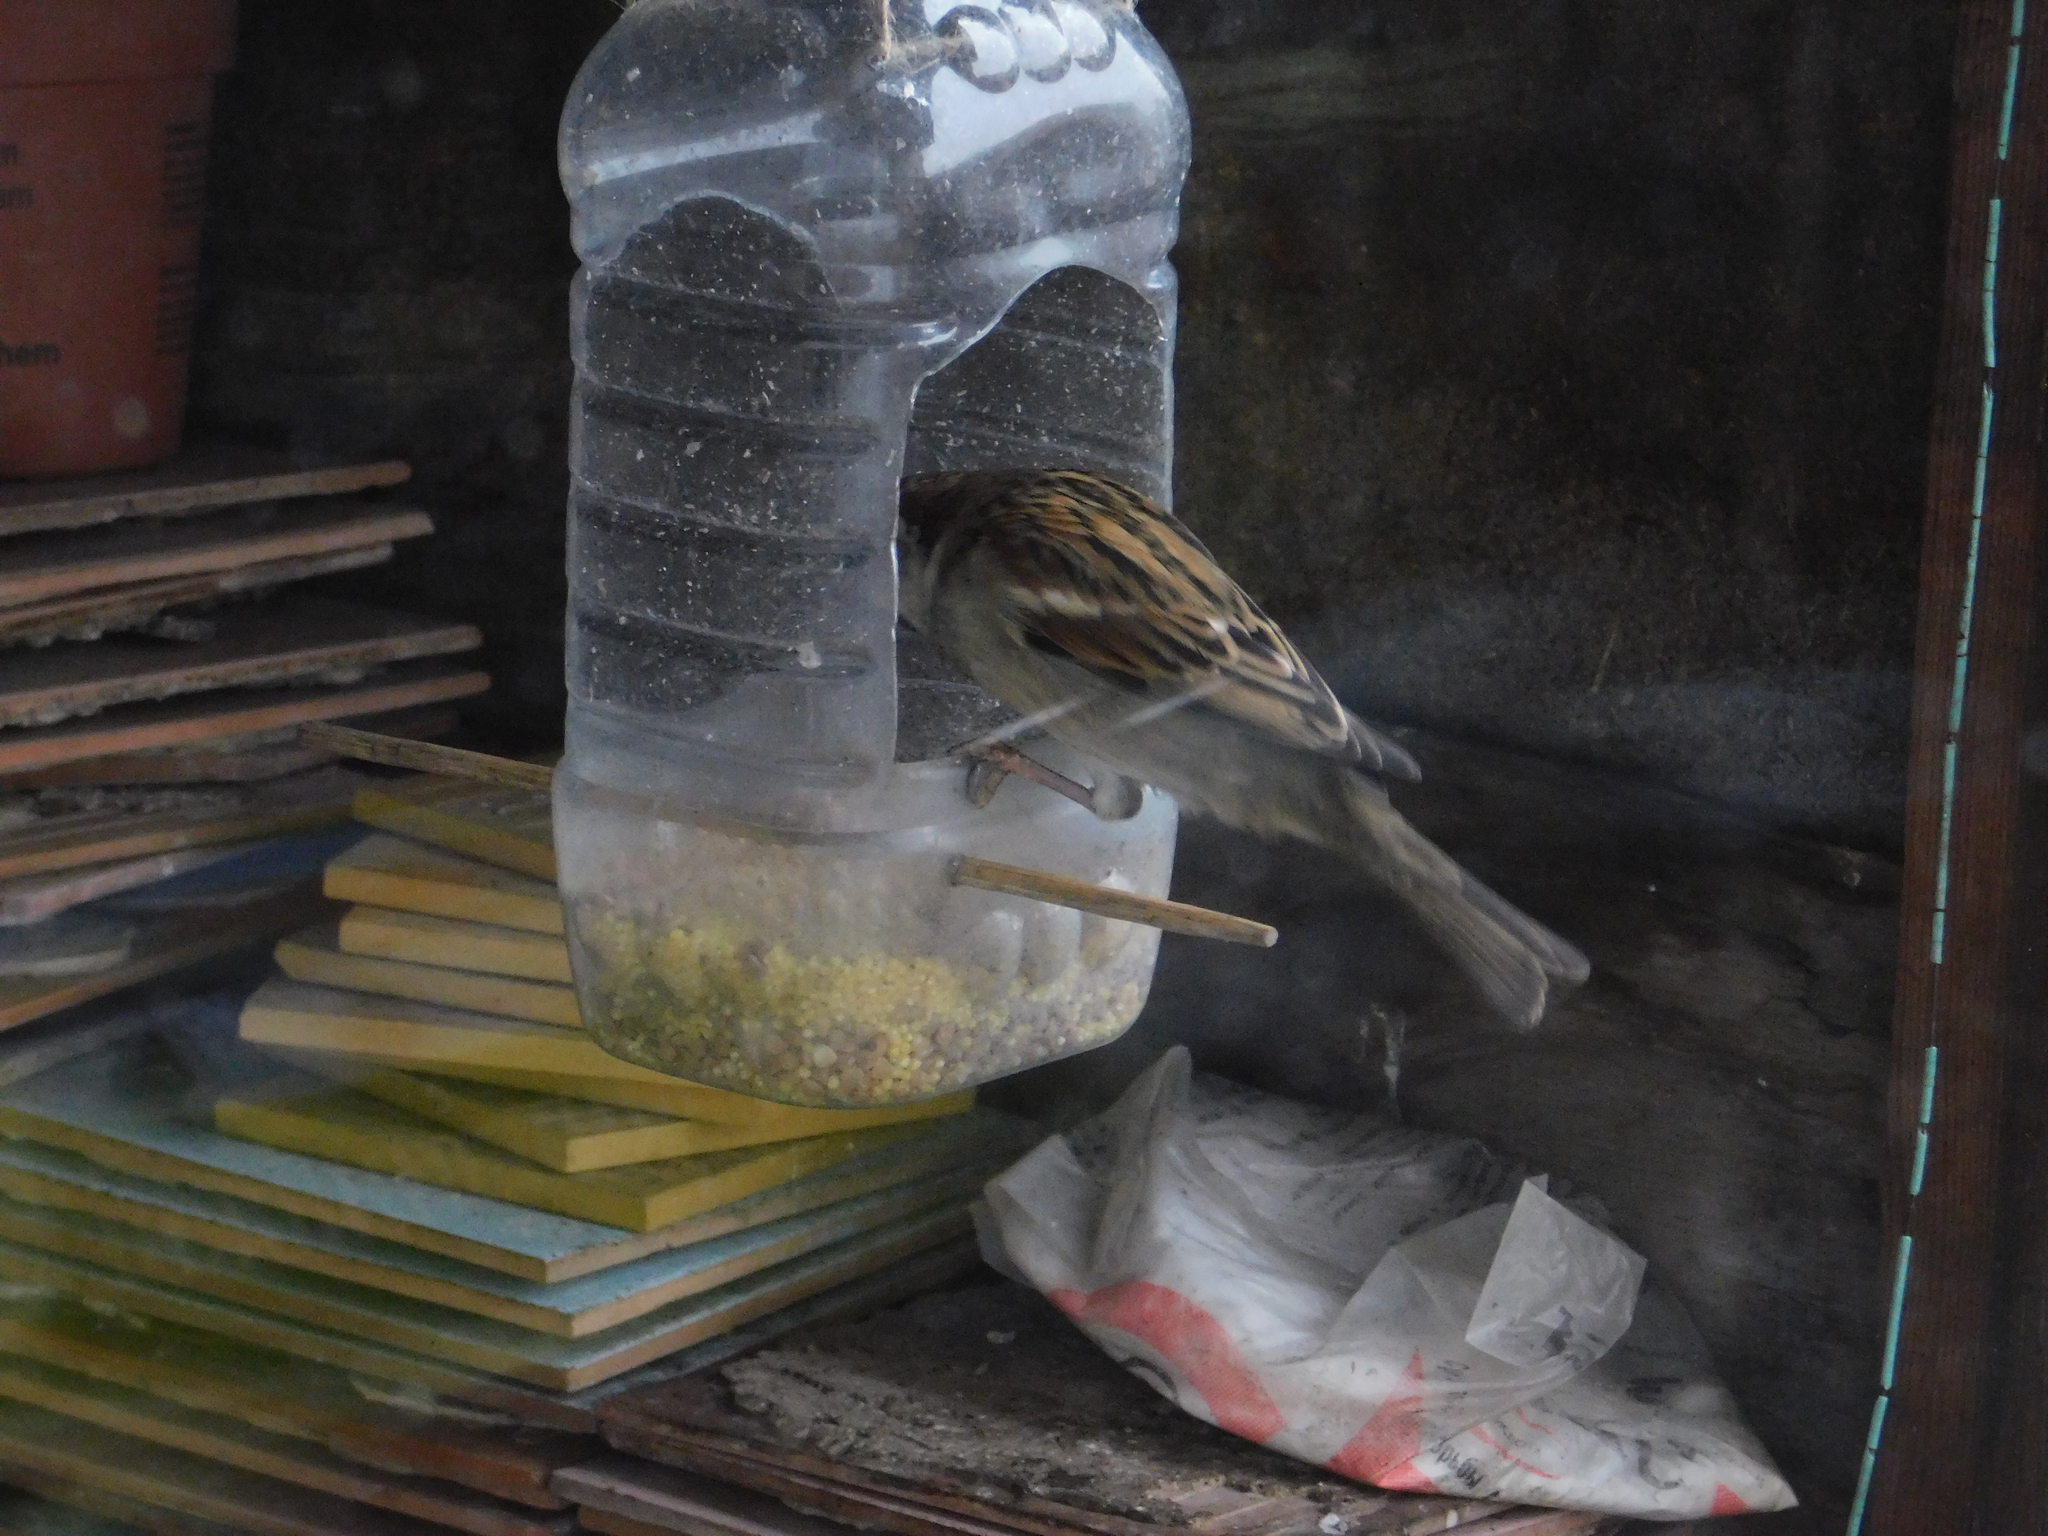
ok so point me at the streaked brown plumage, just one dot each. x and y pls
(1091, 610)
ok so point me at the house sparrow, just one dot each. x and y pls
(1091, 611)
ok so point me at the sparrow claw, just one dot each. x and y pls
(995, 761)
(984, 778)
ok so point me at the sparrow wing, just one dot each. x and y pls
(1094, 573)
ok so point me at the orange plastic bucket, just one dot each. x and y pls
(104, 110)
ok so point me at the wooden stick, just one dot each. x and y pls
(1103, 901)
(426, 756)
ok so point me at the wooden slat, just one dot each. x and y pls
(31, 898)
(235, 712)
(48, 565)
(64, 1448)
(484, 947)
(346, 1127)
(579, 1308)
(226, 1442)
(198, 480)
(511, 828)
(315, 956)
(63, 1506)
(389, 871)
(441, 1333)
(163, 945)
(430, 757)
(103, 1108)
(399, 1374)
(260, 645)
(69, 842)
(568, 1135)
(232, 760)
(393, 1032)
(110, 610)
(277, 1392)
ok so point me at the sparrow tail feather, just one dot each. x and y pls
(1508, 955)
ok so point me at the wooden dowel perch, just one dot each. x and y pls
(1104, 901)
(981, 874)
(401, 752)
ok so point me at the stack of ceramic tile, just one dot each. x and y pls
(145, 727)
(390, 1293)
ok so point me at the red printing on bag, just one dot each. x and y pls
(1727, 1501)
(1189, 1340)
(1384, 1449)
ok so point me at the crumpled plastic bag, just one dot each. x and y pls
(1390, 1304)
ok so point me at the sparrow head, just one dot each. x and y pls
(930, 508)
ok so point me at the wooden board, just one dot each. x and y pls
(36, 1048)
(278, 1393)
(408, 876)
(61, 1447)
(349, 1127)
(393, 1032)
(314, 799)
(197, 480)
(391, 935)
(163, 945)
(511, 828)
(567, 1135)
(315, 956)
(133, 605)
(23, 1513)
(779, 1518)
(81, 1509)
(234, 759)
(581, 1308)
(1958, 1436)
(116, 1109)
(41, 566)
(227, 1442)
(256, 645)
(1008, 1401)
(443, 1333)
(415, 1383)
(31, 898)
(625, 1496)
(236, 712)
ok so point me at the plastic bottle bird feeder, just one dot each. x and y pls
(824, 247)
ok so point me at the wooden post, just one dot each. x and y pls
(1960, 1435)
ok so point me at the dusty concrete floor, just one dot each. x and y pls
(1719, 1083)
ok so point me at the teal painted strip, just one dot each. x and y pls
(1991, 232)
(1864, 1477)
(1955, 695)
(2012, 80)
(1919, 1161)
(2019, 18)
(1948, 806)
(1927, 1072)
(1891, 1327)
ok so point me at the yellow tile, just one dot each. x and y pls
(396, 1032)
(315, 955)
(387, 871)
(512, 828)
(347, 1127)
(485, 947)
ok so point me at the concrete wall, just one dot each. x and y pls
(1557, 368)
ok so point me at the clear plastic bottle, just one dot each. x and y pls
(825, 246)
